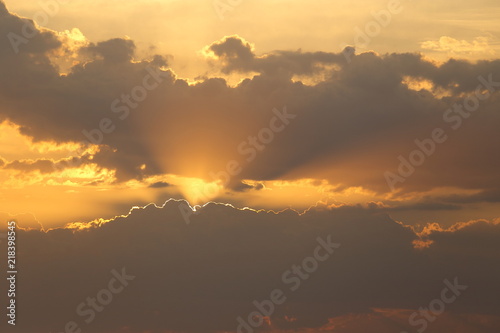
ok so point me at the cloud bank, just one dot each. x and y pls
(354, 119)
(200, 277)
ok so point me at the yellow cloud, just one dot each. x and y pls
(455, 46)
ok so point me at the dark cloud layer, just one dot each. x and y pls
(202, 276)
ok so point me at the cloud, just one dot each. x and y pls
(24, 220)
(455, 46)
(396, 320)
(160, 185)
(236, 54)
(42, 165)
(350, 127)
(492, 195)
(202, 276)
(113, 51)
(243, 187)
(351, 120)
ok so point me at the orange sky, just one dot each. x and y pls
(370, 125)
(182, 32)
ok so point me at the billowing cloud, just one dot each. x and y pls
(236, 54)
(113, 51)
(360, 121)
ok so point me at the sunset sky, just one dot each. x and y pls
(206, 145)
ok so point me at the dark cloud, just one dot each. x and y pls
(202, 276)
(43, 166)
(427, 206)
(160, 185)
(113, 51)
(235, 52)
(237, 55)
(350, 126)
(243, 187)
(378, 207)
(492, 196)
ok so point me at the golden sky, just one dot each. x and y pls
(274, 120)
(189, 140)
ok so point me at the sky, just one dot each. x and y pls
(208, 146)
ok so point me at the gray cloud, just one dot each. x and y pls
(201, 276)
(237, 55)
(351, 126)
(242, 187)
(42, 165)
(112, 51)
(160, 185)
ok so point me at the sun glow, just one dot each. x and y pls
(197, 191)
